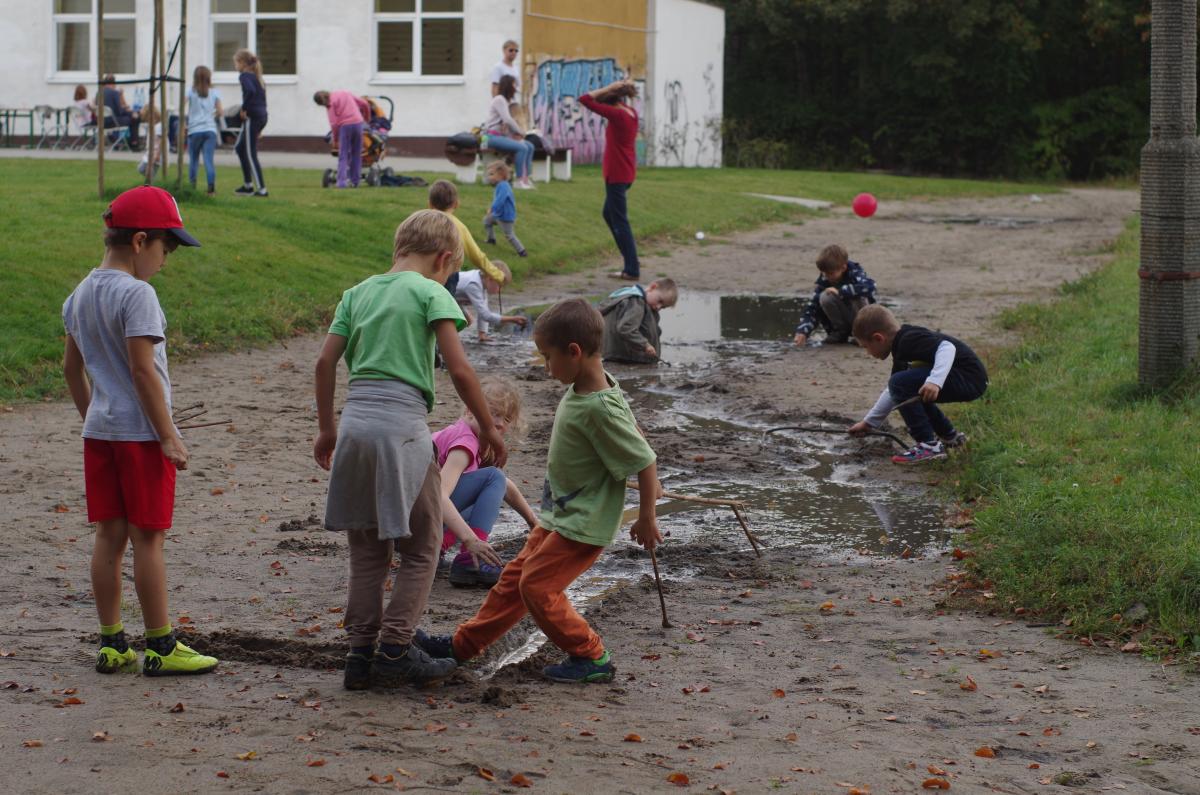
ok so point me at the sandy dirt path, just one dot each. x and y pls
(756, 688)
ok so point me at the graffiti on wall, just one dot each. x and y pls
(563, 121)
(682, 140)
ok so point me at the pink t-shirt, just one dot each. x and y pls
(457, 435)
(345, 108)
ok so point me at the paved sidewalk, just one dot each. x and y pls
(226, 157)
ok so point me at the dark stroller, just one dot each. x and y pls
(374, 143)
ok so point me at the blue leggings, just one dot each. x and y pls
(522, 151)
(477, 497)
(206, 143)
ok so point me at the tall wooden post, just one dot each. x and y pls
(154, 68)
(162, 88)
(101, 138)
(179, 139)
(1169, 295)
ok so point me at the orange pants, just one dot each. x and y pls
(535, 582)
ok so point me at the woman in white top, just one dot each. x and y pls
(204, 108)
(505, 134)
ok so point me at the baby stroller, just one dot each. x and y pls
(374, 143)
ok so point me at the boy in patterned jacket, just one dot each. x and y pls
(842, 289)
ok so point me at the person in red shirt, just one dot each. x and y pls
(620, 164)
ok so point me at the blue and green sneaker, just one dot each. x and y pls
(581, 670)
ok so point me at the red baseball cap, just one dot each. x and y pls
(148, 207)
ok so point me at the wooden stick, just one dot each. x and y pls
(736, 505)
(203, 425)
(188, 408)
(190, 417)
(746, 527)
(841, 431)
(658, 581)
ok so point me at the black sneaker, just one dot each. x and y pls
(491, 241)
(436, 646)
(412, 667)
(244, 190)
(957, 439)
(261, 194)
(522, 253)
(358, 671)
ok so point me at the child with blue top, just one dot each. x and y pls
(504, 208)
(204, 107)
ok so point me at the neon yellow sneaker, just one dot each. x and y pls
(181, 660)
(109, 660)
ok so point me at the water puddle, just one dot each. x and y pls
(998, 222)
(805, 491)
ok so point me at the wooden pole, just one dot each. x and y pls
(101, 138)
(150, 98)
(179, 139)
(162, 86)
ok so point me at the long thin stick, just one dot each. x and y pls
(203, 425)
(735, 505)
(658, 581)
(839, 431)
(190, 416)
(189, 408)
(746, 527)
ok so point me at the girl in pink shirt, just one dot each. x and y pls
(348, 114)
(471, 489)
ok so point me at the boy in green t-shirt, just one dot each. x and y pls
(594, 446)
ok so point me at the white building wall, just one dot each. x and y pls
(334, 50)
(687, 56)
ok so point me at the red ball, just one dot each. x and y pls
(864, 205)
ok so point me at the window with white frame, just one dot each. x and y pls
(265, 27)
(73, 50)
(418, 38)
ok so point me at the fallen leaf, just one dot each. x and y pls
(935, 783)
(378, 779)
(521, 780)
(826, 605)
(633, 738)
(434, 728)
(898, 602)
(1131, 646)
(778, 693)
(71, 702)
(100, 737)
(177, 708)
(985, 752)
(216, 490)
(60, 508)
(222, 774)
(184, 620)
(486, 774)
(1041, 689)
(315, 763)
(31, 743)
(917, 692)
(1034, 766)
(859, 791)
(695, 637)
(1050, 731)
(679, 779)
(791, 737)
(970, 685)
(586, 733)
(246, 757)
(403, 772)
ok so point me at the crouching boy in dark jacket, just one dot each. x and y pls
(631, 330)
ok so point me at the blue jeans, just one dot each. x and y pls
(617, 217)
(206, 143)
(523, 150)
(925, 421)
(477, 496)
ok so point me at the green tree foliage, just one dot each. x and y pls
(1053, 88)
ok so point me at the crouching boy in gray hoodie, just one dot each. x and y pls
(631, 329)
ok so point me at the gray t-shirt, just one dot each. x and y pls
(107, 307)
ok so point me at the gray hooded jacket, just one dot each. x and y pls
(629, 324)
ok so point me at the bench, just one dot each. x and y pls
(543, 169)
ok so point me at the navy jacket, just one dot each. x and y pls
(855, 283)
(254, 96)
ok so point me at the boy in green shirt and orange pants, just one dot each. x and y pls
(594, 446)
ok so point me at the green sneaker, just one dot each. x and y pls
(109, 660)
(181, 660)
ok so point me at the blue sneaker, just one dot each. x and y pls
(464, 575)
(436, 646)
(581, 670)
(920, 453)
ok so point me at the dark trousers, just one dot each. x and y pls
(125, 120)
(617, 217)
(925, 421)
(247, 150)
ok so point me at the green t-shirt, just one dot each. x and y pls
(594, 446)
(387, 322)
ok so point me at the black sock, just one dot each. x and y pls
(164, 645)
(393, 649)
(116, 641)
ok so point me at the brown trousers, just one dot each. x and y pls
(367, 619)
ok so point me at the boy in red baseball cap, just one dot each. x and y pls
(116, 370)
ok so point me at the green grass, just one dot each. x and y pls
(1089, 484)
(272, 268)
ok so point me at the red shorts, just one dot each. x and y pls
(129, 480)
